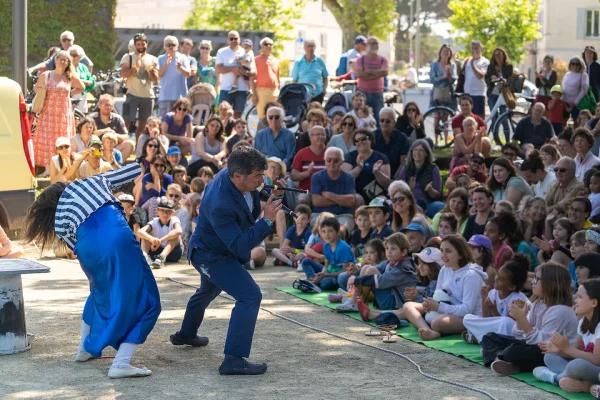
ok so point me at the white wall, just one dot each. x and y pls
(157, 14)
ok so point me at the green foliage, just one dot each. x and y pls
(507, 23)
(92, 22)
(373, 17)
(248, 15)
(430, 47)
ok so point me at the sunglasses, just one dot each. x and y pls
(153, 145)
(231, 39)
(174, 196)
(204, 48)
(562, 170)
(171, 45)
(160, 165)
(332, 160)
(66, 40)
(181, 109)
(74, 55)
(385, 120)
(536, 279)
(268, 44)
(411, 110)
(398, 199)
(274, 117)
(347, 123)
(360, 139)
(64, 146)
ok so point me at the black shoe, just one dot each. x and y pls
(178, 339)
(238, 366)
(278, 263)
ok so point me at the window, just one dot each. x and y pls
(323, 40)
(592, 23)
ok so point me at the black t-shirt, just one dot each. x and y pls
(385, 232)
(116, 122)
(359, 242)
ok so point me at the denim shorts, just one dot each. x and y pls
(385, 299)
(236, 99)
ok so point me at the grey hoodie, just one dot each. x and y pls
(464, 288)
(396, 278)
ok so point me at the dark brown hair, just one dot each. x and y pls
(556, 285)
(493, 184)
(465, 256)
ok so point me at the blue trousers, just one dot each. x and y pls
(579, 368)
(375, 101)
(479, 106)
(312, 268)
(230, 276)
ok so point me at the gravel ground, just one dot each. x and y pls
(303, 364)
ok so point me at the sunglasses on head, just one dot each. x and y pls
(274, 117)
(385, 120)
(64, 146)
(398, 199)
(181, 109)
(360, 139)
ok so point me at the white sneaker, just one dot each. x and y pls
(342, 292)
(250, 265)
(127, 372)
(299, 268)
(158, 262)
(83, 356)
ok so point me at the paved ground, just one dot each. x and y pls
(303, 364)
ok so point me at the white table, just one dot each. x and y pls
(13, 333)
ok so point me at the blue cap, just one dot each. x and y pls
(481, 241)
(173, 150)
(414, 227)
(360, 39)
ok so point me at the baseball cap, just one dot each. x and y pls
(247, 42)
(430, 255)
(360, 39)
(477, 155)
(126, 198)
(556, 88)
(62, 141)
(94, 140)
(414, 227)
(173, 150)
(378, 202)
(481, 241)
(166, 203)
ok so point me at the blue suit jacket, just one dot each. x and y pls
(225, 226)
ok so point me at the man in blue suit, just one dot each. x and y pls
(226, 233)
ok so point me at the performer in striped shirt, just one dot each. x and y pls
(124, 302)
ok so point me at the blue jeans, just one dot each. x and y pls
(343, 280)
(385, 299)
(312, 268)
(236, 99)
(491, 102)
(375, 101)
(479, 106)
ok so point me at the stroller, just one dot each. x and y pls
(295, 98)
(202, 98)
(337, 102)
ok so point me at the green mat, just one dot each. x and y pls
(448, 344)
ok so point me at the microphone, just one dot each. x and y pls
(287, 189)
(264, 196)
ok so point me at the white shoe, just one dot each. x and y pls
(128, 372)
(342, 292)
(299, 268)
(83, 356)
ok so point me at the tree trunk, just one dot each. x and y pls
(349, 34)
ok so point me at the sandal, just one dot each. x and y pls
(387, 333)
(469, 338)
(378, 332)
(363, 309)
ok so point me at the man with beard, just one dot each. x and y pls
(475, 169)
(141, 71)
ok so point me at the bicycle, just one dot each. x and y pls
(505, 121)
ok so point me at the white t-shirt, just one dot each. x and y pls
(473, 85)
(159, 230)
(365, 123)
(589, 339)
(503, 304)
(228, 58)
(541, 188)
(412, 75)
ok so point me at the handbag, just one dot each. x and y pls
(442, 94)
(372, 190)
(588, 102)
(40, 97)
(509, 98)
(460, 84)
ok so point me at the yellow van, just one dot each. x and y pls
(17, 173)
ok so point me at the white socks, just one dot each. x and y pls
(124, 355)
(83, 355)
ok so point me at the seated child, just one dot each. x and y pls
(197, 187)
(577, 249)
(458, 288)
(175, 195)
(133, 219)
(495, 302)
(557, 250)
(180, 177)
(240, 129)
(292, 251)
(429, 264)
(161, 238)
(314, 247)
(362, 233)
(337, 256)
(416, 237)
(551, 312)
(448, 224)
(379, 215)
(7, 248)
(206, 174)
(364, 122)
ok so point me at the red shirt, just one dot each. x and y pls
(301, 161)
(480, 176)
(556, 114)
(457, 122)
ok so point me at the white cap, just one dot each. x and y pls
(62, 141)
(431, 255)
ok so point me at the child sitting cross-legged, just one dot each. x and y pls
(389, 279)
(292, 251)
(161, 238)
(362, 233)
(337, 256)
(429, 264)
(509, 281)
(379, 215)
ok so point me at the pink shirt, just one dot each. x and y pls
(365, 63)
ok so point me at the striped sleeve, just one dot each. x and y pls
(122, 175)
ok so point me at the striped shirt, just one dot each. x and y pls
(83, 197)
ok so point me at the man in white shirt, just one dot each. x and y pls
(232, 74)
(475, 68)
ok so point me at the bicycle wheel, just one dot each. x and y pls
(506, 124)
(437, 121)
(251, 116)
(78, 115)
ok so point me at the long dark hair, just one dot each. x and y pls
(219, 136)
(493, 184)
(445, 46)
(39, 222)
(493, 63)
(592, 287)
(145, 148)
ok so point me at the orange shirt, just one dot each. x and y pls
(267, 72)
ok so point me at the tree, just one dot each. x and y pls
(248, 15)
(373, 17)
(92, 22)
(507, 23)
